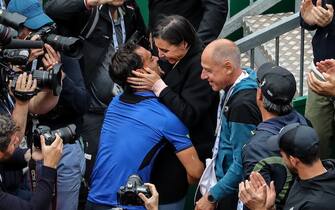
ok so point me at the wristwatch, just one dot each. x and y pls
(210, 198)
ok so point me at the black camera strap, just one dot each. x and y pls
(31, 125)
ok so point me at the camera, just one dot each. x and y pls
(67, 133)
(70, 46)
(51, 79)
(15, 56)
(128, 194)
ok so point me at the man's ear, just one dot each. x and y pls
(294, 161)
(229, 68)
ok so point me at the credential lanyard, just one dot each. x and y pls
(224, 98)
(123, 28)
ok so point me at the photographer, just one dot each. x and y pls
(40, 199)
(73, 103)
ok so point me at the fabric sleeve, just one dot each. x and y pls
(239, 136)
(214, 17)
(64, 9)
(74, 94)
(249, 161)
(41, 199)
(177, 134)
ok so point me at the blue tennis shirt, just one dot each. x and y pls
(131, 136)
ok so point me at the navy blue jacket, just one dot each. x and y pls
(40, 199)
(263, 155)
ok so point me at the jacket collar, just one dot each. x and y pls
(195, 49)
(104, 11)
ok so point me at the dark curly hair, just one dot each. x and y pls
(7, 129)
(123, 62)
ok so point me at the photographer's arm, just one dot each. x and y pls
(24, 84)
(64, 9)
(44, 101)
(213, 19)
(74, 94)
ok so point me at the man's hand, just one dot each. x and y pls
(50, 58)
(152, 202)
(326, 66)
(325, 88)
(35, 53)
(255, 194)
(24, 84)
(204, 204)
(53, 152)
(316, 14)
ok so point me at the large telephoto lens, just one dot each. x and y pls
(67, 133)
(51, 79)
(70, 46)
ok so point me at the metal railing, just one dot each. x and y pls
(256, 39)
(255, 8)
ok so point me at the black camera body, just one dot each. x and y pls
(128, 194)
(68, 134)
(51, 79)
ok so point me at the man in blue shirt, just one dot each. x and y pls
(135, 128)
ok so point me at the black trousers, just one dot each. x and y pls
(90, 131)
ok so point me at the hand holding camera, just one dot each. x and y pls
(128, 194)
(152, 202)
(51, 57)
(24, 87)
(52, 153)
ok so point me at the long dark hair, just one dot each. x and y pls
(175, 29)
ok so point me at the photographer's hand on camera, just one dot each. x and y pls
(152, 202)
(35, 53)
(50, 58)
(24, 88)
(52, 153)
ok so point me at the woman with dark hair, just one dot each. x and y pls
(190, 98)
